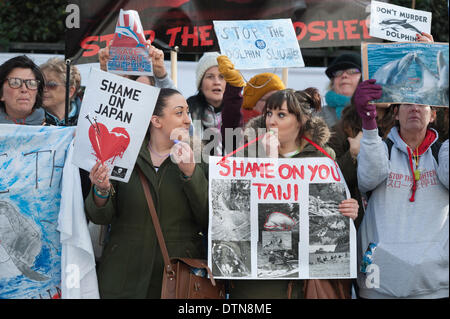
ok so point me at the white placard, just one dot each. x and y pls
(114, 117)
(396, 23)
(278, 219)
(257, 44)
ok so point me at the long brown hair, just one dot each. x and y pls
(299, 103)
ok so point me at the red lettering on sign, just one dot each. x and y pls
(90, 49)
(302, 27)
(173, 35)
(321, 33)
(186, 36)
(205, 31)
(331, 30)
(350, 28)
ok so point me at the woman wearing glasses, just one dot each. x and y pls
(21, 90)
(54, 99)
(344, 74)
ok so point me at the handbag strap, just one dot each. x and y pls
(159, 234)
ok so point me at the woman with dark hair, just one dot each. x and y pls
(22, 86)
(296, 133)
(132, 265)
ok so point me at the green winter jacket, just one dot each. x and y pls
(132, 265)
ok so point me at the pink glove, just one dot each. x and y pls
(365, 92)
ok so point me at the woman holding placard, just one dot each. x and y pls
(293, 132)
(132, 264)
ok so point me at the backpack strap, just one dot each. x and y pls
(435, 150)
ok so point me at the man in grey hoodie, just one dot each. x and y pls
(404, 236)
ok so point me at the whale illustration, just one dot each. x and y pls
(395, 72)
(20, 243)
(394, 23)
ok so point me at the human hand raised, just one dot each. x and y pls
(103, 56)
(271, 143)
(231, 75)
(366, 92)
(157, 56)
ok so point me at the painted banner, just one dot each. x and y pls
(259, 44)
(188, 24)
(408, 72)
(128, 52)
(278, 219)
(114, 118)
(396, 23)
(31, 165)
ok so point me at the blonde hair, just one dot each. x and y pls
(58, 66)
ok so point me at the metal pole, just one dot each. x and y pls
(66, 115)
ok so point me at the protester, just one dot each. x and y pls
(132, 264)
(344, 73)
(206, 106)
(288, 114)
(346, 136)
(161, 78)
(240, 107)
(22, 86)
(403, 238)
(54, 100)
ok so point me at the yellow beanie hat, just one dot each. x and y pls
(258, 86)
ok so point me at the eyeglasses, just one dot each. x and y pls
(348, 71)
(15, 83)
(51, 85)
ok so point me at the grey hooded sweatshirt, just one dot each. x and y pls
(403, 249)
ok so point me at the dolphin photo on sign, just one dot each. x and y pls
(114, 117)
(259, 44)
(396, 23)
(408, 72)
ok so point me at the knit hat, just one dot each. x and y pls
(258, 86)
(343, 62)
(209, 59)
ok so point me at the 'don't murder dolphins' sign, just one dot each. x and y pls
(259, 44)
(396, 23)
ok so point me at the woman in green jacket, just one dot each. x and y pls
(132, 264)
(289, 124)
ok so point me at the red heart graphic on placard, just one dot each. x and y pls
(108, 144)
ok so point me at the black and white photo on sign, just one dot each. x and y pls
(260, 221)
(278, 237)
(329, 245)
(231, 258)
(231, 210)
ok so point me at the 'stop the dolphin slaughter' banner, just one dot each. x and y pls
(259, 44)
(278, 219)
(408, 72)
(31, 165)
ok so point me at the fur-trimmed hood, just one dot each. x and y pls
(316, 128)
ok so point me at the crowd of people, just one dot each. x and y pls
(404, 230)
